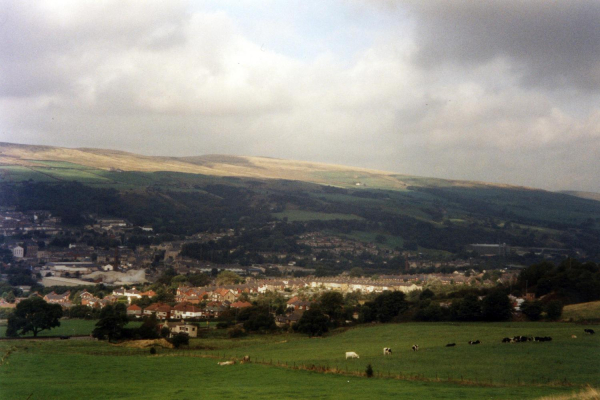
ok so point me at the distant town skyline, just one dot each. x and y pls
(498, 91)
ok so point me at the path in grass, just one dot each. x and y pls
(66, 370)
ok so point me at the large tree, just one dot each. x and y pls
(112, 323)
(33, 315)
(228, 278)
(313, 322)
(496, 306)
(332, 304)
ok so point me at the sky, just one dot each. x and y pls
(502, 91)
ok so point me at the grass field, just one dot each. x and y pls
(582, 311)
(573, 360)
(97, 370)
(68, 327)
(301, 215)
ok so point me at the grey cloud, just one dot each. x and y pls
(553, 44)
(162, 80)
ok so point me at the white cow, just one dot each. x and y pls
(351, 354)
(387, 351)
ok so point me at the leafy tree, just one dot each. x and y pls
(532, 309)
(388, 305)
(82, 312)
(496, 306)
(167, 276)
(426, 294)
(228, 278)
(33, 315)
(149, 328)
(9, 297)
(165, 332)
(180, 339)
(332, 304)
(258, 320)
(466, 309)
(313, 322)
(200, 279)
(554, 309)
(356, 272)
(112, 322)
(432, 312)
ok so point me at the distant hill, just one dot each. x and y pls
(29, 156)
(184, 195)
(583, 195)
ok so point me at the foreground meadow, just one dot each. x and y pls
(97, 370)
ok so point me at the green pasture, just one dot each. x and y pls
(562, 360)
(97, 370)
(391, 242)
(69, 327)
(16, 173)
(301, 215)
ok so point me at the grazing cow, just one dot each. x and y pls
(351, 354)
(451, 345)
(387, 351)
(226, 363)
(246, 359)
(65, 337)
(415, 347)
(590, 331)
(474, 342)
(506, 340)
(573, 336)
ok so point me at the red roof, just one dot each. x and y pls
(241, 304)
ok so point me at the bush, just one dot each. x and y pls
(181, 339)
(554, 309)
(152, 350)
(369, 371)
(223, 325)
(532, 309)
(236, 332)
(165, 332)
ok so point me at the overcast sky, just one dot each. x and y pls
(499, 90)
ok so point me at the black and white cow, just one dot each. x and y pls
(415, 347)
(474, 342)
(590, 331)
(506, 340)
(387, 351)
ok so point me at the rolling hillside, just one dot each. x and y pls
(188, 194)
(37, 158)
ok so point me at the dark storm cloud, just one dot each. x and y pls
(551, 43)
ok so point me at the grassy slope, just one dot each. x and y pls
(94, 370)
(582, 311)
(575, 360)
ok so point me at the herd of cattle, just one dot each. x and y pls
(387, 351)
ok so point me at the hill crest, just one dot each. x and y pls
(225, 165)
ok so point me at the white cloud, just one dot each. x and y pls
(162, 78)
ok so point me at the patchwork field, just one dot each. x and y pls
(292, 366)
